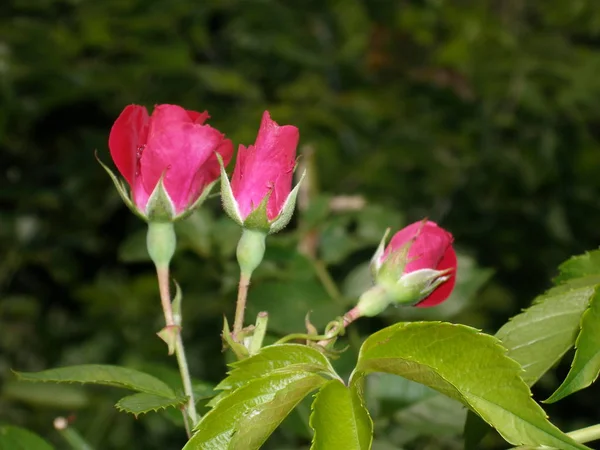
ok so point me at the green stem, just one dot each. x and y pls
(581, 436)
(165, 298)
(348, 318)
(240, 306)
(584, 435)
(71, 435)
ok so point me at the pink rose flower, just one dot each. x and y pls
(422, 248)
(265, 168)
(174, 144)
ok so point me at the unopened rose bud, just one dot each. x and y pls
(418, 267)
(169, 160)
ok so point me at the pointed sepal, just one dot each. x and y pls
(376, 259)
(258, 219)
(121, 189)
(287, 211)
(240, 351)
(229, 202)
(160, 207)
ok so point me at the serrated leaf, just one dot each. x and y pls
(579, 266)
(340, 419)
(539, 336)
(16, 438)
(586, 363)
(279, 358)
(102, 374)
(466, 365)
(142, 403)
(244, 419)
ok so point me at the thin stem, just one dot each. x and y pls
(584, 435)
(348, 318)
(71, 435)
(165, 298)
(581, 436)
(162, 274)
(240, 306)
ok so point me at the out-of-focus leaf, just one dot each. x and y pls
(288, 302)
(52, 395)
(340, 418)
(15, 438)
(102, 374)
(468, 366)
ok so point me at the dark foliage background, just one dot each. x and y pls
(480, 114)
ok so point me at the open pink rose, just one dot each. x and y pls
(267, 167)
(426, 247)
(174, 144)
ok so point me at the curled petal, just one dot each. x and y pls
(127, 135)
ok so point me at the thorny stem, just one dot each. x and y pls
(240, 306)
(165, 298)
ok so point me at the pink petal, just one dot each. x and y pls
(444, 290)
(266, 167)
(210, 170)
(177, 148)
(198, 118)
(127, 134)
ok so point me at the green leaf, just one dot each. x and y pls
(102, 374)
(470, 367)
(340, 419)
(244, 419)
(52, 395)
(142, 403)
(15, 438)
(579, 266)
(281, 358)
(435, 416)
(539, 336)
(586, 363)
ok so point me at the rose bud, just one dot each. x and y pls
(260, 197)
(418, 267)
(168, 159)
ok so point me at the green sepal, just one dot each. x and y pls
(121, 189)
(169, 335)
(160, 207)
(199, 201)
(392, 269)
(375, 264)
(241, 352)
(287, 210)
(229, 203)
(258, 219)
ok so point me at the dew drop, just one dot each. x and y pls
(139, 151)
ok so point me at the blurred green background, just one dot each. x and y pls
(479, 114)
